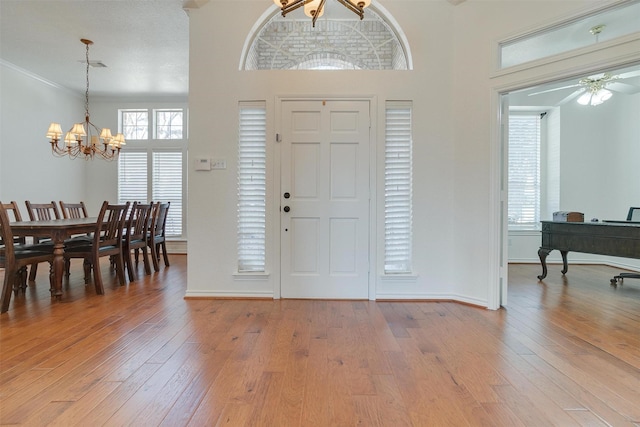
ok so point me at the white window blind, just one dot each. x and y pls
(398, 189)
(524, 171)
(252, 188)
(167, 187)
(132, 176)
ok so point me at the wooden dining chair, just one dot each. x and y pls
(156, 240)
(41, 212)
(107, 241)
(73, 210)
(136, 237)
(13, 209)
(15, 258)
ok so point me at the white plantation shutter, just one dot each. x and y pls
(252, 188)
(397, 189)
(167, 187)
(524, 171)
(132, 176)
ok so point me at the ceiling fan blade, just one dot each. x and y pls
(553, 90)
(623, 87)
(628, 75)
(572, 96)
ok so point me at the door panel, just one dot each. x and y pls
(325, 169)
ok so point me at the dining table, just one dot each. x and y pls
(58, 230)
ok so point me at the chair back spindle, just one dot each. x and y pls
(73, 210)
(42, 211)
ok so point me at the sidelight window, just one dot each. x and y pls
(252, 190)
(398, 188)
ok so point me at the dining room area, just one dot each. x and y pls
(42, 244)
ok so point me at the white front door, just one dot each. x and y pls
(325, 199)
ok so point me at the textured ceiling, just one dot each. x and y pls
(145, 44)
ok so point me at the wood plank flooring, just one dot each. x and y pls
(566, 352)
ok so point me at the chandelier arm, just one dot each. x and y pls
(353, 7)
(293, 6)
(318, 13)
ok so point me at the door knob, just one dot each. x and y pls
(287, 195)
(286, 209)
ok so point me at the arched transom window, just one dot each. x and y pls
(339, 41)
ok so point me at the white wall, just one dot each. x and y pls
(216, 87)
(102, 176)
(28, 170)
(451, 86)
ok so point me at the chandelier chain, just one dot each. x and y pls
(86, 93)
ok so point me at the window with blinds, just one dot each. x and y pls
(165, 177)
(524, 171)
(398, 188)
(132, 176)
(152, 167)
(252, 188)
(167, 187)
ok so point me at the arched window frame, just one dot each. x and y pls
(384, 15)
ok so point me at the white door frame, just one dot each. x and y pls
(277, 190)
(562, 67)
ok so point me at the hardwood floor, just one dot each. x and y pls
(565, 352)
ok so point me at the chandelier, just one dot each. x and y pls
(84, 138)
(315, 8)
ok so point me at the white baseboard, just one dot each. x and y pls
(177, 247)
(227, 294)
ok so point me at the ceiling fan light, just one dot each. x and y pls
(601, 96)
(585, 99)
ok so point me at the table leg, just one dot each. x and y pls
(565, 266)
(58, 264)
(542, 253)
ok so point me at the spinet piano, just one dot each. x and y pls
(620, 239)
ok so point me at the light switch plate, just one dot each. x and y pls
(218, 164)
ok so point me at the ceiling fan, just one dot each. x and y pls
(596, 89)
